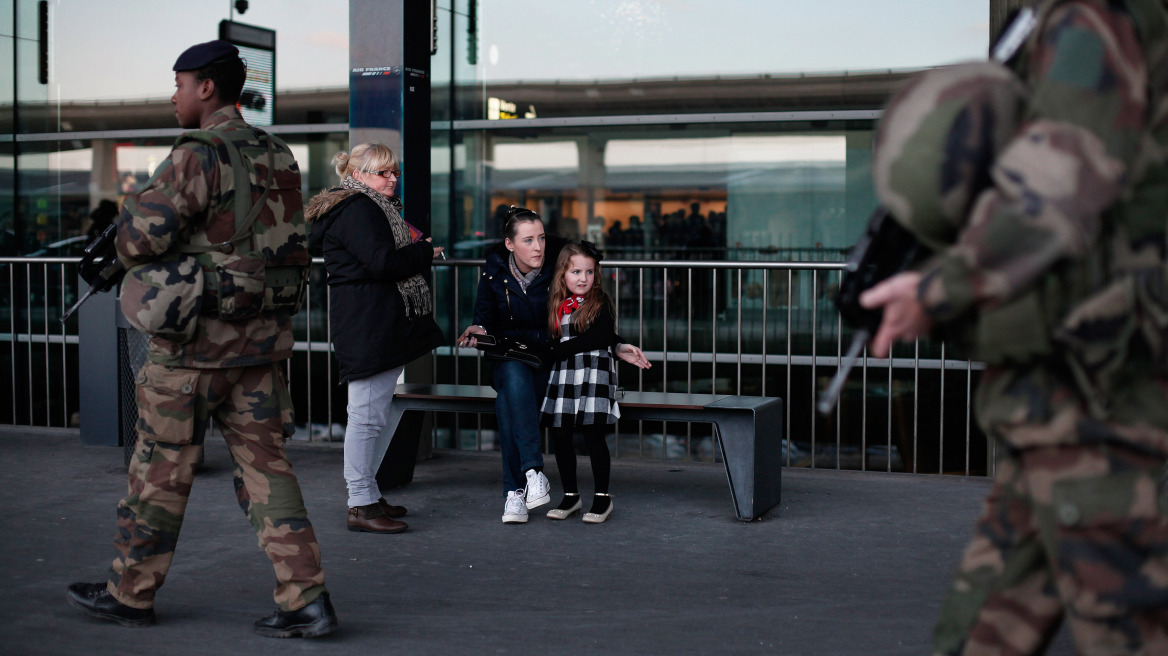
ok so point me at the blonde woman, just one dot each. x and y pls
(381, 313)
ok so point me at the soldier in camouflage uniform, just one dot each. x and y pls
(1056, 272)
(229, 370)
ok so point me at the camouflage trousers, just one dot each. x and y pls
(1074, 532)
(254, 410)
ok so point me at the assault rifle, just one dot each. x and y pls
(884, 250)
(99, 267)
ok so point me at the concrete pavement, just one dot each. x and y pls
(849, 563)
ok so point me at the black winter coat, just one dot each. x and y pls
(503, 308)
(370, 330)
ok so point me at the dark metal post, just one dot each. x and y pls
(389, 103)
(99, 382)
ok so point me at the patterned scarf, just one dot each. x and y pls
(414, 291)
(524, 279)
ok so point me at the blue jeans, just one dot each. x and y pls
(520, 391)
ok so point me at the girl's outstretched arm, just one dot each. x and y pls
(633, 355)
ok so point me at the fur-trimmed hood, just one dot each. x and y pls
(325, 201)
(329, 199)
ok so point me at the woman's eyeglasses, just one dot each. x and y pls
(386, 173)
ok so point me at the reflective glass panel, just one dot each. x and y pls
(606, 57)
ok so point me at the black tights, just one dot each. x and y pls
(566, 456)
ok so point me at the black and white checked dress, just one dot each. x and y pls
(582, 387)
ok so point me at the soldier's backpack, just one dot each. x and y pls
(264, 265)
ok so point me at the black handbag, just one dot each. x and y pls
(535, 356)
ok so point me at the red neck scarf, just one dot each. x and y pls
(569, 304)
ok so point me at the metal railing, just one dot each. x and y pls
(727, 327)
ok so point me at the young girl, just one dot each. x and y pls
(581, 392)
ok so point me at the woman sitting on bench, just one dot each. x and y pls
(512, 301)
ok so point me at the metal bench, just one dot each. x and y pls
(749, 430)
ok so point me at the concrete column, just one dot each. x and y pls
(592, 180)
(103, 179)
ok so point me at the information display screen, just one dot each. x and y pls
(257, 47)
(257, 101)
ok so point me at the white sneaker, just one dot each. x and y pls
(538, 490)
(515, 512)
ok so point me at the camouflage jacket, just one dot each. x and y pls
(1060, 266)
(190, 199)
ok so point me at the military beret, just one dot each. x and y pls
(201, 55)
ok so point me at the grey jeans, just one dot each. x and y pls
(368, 404)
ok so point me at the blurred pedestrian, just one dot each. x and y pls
(1054, 268)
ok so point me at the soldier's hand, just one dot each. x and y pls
(904, 316)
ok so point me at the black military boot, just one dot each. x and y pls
(94, 600)
(315, 619)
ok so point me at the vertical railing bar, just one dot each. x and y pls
(916, 401)
(328, 358)
(839, 361)
(864, 416)
(941, 430)
(641, 324)
(665, 325)
(456, 359)
(689, 355)
(12, 332)
(903, 463)
(689, 329)
(739, 301)
(64, 355)
(616, 295)
(434, 362)
(478, 356)
(47, 349)
(457, 324)
(968, 411)
(28, 333)
(787, 405)
(714, 345)
(814, 351)
(664, 349)
(766, 283)
(308, 365)
(641, 343)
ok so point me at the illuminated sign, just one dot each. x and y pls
(499, 109)
(257, 47)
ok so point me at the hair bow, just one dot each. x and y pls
(591, 249)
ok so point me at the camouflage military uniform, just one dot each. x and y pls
(230, 371)
(1060, 271)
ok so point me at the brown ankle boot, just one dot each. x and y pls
(391, 511)
(372, 519)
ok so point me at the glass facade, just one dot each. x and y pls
(652, 128)
(647, 126)
(96, 127)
